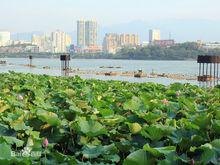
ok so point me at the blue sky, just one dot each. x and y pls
(187, 20)
(48, 15)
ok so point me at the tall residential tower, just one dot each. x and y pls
(154, 35)
(4, 38)
(112, 42)
(91, 33)
(60, 41)
(81, 34)
(86, 34)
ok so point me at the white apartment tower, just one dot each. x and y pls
(154, 35)
(91, 33)
(81, 34)
(43, 42)
(5, 38)
(60, 41)
(86, 33)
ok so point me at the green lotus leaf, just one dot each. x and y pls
(5, 152)
(13, 140)
(48, 117)
(152, 117)
(217, 114)
(159, 151)
(90, 127)
(70, 92)
(216, 144)
(174, 159)
(18, 125)
(61, 158)
(203, 121)
(107, 122)
(107, 113)
(5, 130)
(216, 126)
(135, 104)
(108, 152)
(210, 152)
(139, 157)
(4, 108)
(135, 128)
(156, 132)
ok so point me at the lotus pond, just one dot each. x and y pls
(68, 120)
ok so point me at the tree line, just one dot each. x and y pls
(181, 51)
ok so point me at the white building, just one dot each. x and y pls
(5, 38)
(145, 44)
(91, 29)
(43, 42)
(81, 42)
(214, 45)
(60, 41)
(87, 32)
(154, 35)
(111, 43)
(114, 42)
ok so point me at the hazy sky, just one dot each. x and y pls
(48, 15)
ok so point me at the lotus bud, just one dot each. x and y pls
(20, 98)
(45, 142)
(177, 93)
(165, 101)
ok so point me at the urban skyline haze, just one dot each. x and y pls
(178, 17)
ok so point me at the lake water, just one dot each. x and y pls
(173, 67)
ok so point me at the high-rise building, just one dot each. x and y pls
(114, 42)
(129, 40)
(5, 38)
(154, 35)
(111, 43)
(81, 34)
(44, 43)
(86, 34)
(60, 41)
(91, 33)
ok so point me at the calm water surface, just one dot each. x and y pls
(175, 67)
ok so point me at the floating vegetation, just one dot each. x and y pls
(55, 120)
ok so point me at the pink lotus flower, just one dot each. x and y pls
(20, 98)
(177, 93)
(165, 101)
(45, 142)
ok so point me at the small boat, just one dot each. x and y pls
(46, 67)
(139, 74)
(3, 62)
(110, 74)
(110, 67)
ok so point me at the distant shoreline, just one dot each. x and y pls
(90, 58)
(188, 51)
